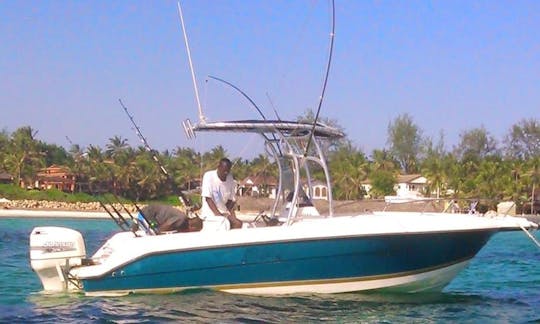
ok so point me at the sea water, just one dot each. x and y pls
(501, 285)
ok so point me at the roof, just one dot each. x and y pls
(54, 170)
(5, 176)
(318, 183)
(409, 178)
(258, 180)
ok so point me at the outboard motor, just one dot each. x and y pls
(53, 251)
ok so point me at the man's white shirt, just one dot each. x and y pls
(219, 191)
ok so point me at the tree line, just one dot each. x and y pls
(478, 166)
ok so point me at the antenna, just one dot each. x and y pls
(332, 34)
(273, 107)
(247, 97)
(69, 140)
(241, 92)
(201, 116)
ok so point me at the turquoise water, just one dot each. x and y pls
(501, 285)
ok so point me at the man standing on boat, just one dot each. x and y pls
(218, 198)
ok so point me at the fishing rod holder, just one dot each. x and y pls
(188, 129)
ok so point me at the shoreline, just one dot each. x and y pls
(44, 213)
(74, 214)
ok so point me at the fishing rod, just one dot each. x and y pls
(116, 211)
(152, 226)
(123, 206)
(329, 63)
(183, 199)
(116, 220)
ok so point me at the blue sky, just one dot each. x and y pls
(451, 65)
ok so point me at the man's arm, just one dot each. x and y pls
(213, 206)
(230, 207)
(235, 222)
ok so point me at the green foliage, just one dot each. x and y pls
(473, 169)
(523, 140)
(54, 154)
(350, 168)
(405, 139)
(382, 183)
(13, 192)
(476, 144)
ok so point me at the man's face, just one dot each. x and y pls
(223, 170)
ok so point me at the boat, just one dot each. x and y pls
(292, 248)
(299, 252)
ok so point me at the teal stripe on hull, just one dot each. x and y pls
(318, 260)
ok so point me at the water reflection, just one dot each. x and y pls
(209, 307)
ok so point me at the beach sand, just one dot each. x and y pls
(40, 213)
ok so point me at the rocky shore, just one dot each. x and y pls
(60, 206)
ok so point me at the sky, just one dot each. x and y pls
(451, 65)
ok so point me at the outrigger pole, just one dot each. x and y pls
(332, 34)
(201, 116)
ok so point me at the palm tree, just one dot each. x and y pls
(383, 160)
(116, 146)
(490, 179)
(147, 178)
(98, 173)
(185, 166)
(78, 165)
(211, 159)
(534, 176)
(262, 167)
(4, 147)
(24, 158)
(349, 168)
(122, 169)
(513, 191)
(433, 170)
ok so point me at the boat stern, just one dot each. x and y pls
(53, 252)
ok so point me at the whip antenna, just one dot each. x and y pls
(241, 92)
(201, 116)
(332, 34)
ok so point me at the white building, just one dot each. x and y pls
(408, 187)
(320, 190)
